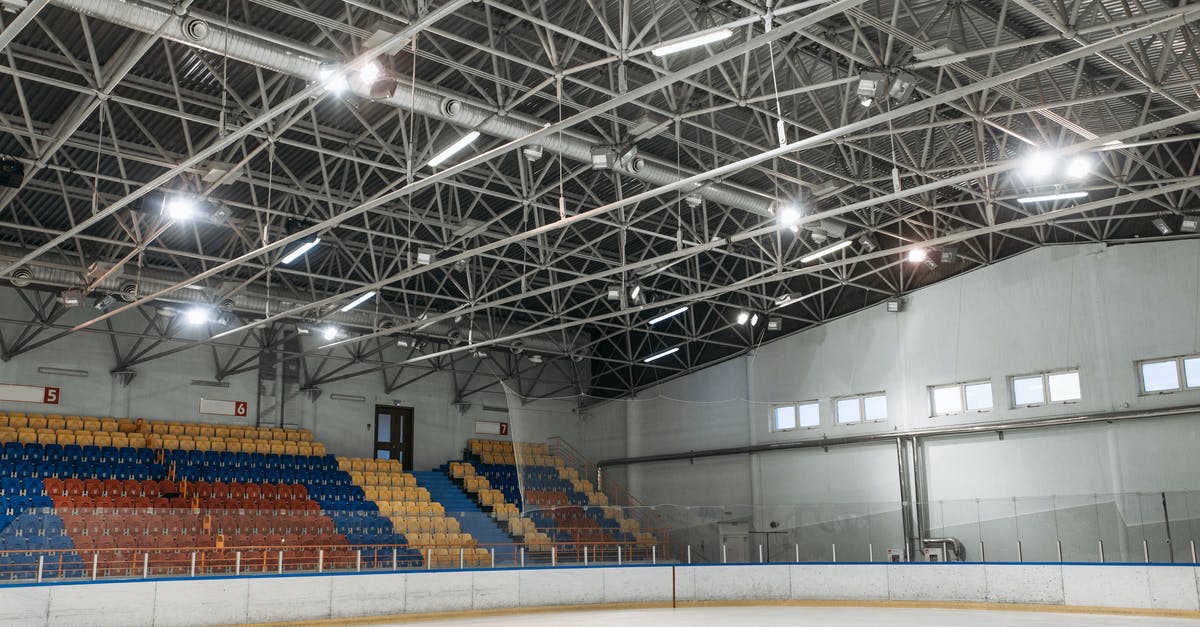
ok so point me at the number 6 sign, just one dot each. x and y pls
(215, 407)
(239, 408)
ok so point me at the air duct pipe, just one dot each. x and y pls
(258, 47)
(57, 273)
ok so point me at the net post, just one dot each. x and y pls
(689, 554)
(760, 554)
(280, 562)
(724, 555)
(619, 555)
(394, 560)
(585, 556)
(522, 557)
(95, 565)
(493, 552)
(320, 560)
(146, 565)
(358, 561)
(192, 568)
(653, 553)
(41, 567)
(237, 564)
(833, 549)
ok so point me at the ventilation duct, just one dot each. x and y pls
(258, 47)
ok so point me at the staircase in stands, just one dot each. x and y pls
(471, 517)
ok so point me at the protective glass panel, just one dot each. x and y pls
(848, 411)
(1064, 386)
(875, 407)
(1160, 376)
(1191, 371)
(1028, 391)
(947, 400)
(979, 396)
(810, 415)
(783, 418)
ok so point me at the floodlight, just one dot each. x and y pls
(743, 317)
(1038, 165)
(72, 298)
(1161, 225)
(333, 76)
(774, 323)
(754, 320)
(614, 292)
(635, 292)
(870, 87)
(930, 263)
(902, 86)
(868, 243)
(104, 303)
(949, 255)
(917, 255)
(895, 305)
(532, 152)
(329, 333)
(180, 207)
(197, 315)
(788, 216)
(1189, 225)
(1079, 167)
(370, 72)
(425, 256)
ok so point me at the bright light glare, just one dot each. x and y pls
(453, 149)
(743, 317)
(635, 292)
(329, 333)
(789, 216)
(917, 255)
(370, 72)
(694, 42)
(754, 320)
(825, 251)
(1052, 197)
(362, 298)
(300, 250)
(1079, 167)
(180, 208)
(1038, 165)
(197, 315)
(668, 315)
(669, 351)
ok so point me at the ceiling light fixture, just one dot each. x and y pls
(743, 317)
(868, 243)
(754, 320)
(300, 250)
(330, 333)
(180, 207)
(657, 356)
(453, 149)
(635, 292)
(1161, 225)
(370, 72)
(1189, 224)
(1051, 197)
(668, 315)
(917, 255)
(1079, 167)
(362, 298)
(333, 76)
(197, 315)
(870, 87)
(774, 323)
(832, 248)
(693, 42)
(1038, 165)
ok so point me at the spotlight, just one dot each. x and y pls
(1189, 225)
(788, 216)
(1038, 165)
(532, 152)
(72, 298)
(754, 320)
(370, 72)
(917, 255)
(774, 323)
(197, 315)
(930, 263)
(425, 256)
(1161, 225)
(613, 292)
(1079, 167)
(743, 317)
(868, 243)
(180, 207)
(535, 359)
(870, 87)
(329, 333)
(949, 255)
(895, 305)
(902, 87)
(635, 292)
(104, 303)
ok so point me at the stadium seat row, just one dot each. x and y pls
(145, 427)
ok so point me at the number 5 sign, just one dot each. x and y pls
(28, 394)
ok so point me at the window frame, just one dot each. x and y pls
(796, 413)
(1045, 375)
(962, 396)
(862, 408)
(1180, 372)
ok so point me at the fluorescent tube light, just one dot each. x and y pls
(668, 315)
(813, 256)
(362, 298)
(453, 149)
(1051, 197)
(300, 250)
(693, 42)
(669, 351)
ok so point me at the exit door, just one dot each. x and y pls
(393, 434)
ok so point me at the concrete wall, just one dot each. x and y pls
(162, 389)
(1091, 307)
(228, 601)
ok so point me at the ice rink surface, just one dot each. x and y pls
(811, 617)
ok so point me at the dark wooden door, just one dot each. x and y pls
(394, 434)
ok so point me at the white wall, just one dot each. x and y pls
(1092, 307)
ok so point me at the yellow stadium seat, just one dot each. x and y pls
(276, 447)
(102, 438)
(57, 423)
(318, 449)
(126, 425)
(159, 428)
(191, 429)
(91, 424)
(175, 428)
(305, 449)
(119, 440)
(290, 448)
(46, 436)
(217, 445)
(279, 435)
(18, 422)
(27, 436)
(37, 421)
(293, 435)
(72, 423)
(207, 431)
(262, 446)
(108, 424)
(237, 433)
(221, 432)
(306, 435)
(7, 434)
(65, 437)
(137, 440)
(170, 442)
(84, 438)
(356, 463)
(203, 444)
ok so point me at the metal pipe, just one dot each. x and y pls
(947, 431)
(905, 502)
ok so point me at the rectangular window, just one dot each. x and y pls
(783, 418)
(1169, 374)
(1047, 387)
(854, 409)
(803, 415)
(961, 397)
